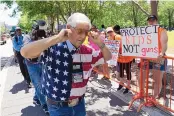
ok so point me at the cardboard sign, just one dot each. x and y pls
(140, 41)
(113, 46)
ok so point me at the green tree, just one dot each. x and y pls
(2, 29)
(26, 21)
(109, 13)
(166, 13)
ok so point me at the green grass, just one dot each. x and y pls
(170, 39)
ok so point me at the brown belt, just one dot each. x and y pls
(69, 103)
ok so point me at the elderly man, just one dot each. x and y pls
(67, 65)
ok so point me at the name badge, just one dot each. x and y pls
(77, 73)
(77, 77)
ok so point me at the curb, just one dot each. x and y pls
(3, 74)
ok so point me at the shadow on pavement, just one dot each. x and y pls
(108, 104)
(98, 113)
(4, 60)
(19, 87)
(32, 111)
(14, 62)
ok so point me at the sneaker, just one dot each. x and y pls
(120, 87)
(29, 85)
(126, 91)
(45, 109)
(16, 60)
(36, 102)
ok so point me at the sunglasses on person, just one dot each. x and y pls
(81, 31)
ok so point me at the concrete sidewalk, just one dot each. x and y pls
(101, 99)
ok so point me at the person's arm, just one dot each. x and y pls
(105, 51)
(14, 43)
(96, 38)
(34, 49)
(164, 41)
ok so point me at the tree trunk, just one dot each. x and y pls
(154, 6)
(172, 18)
(134, 15)
(144, 11)
(169, 18)
(58, 22)
(52, 24)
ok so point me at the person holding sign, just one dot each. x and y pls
(124, 62)
(157, 66)
(112, 35)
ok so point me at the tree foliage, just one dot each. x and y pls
(109, 13)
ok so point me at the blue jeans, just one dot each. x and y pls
(35, 72)
(78, 110)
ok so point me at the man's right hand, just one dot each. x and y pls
(63, 35)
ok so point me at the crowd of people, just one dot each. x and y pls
(59, 66)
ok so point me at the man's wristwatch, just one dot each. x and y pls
(102, 46)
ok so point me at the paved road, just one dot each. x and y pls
(6, 56)
(101, 100)
(17, 99)
(6, 52)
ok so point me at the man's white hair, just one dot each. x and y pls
(76, 18)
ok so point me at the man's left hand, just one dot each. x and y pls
(96, 38)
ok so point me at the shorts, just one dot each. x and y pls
(156, 66)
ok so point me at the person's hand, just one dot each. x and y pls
(96, 38)
(160, 58)
(63, 35)
(119, 55)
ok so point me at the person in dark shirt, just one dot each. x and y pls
(35, 67)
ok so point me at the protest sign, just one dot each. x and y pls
(140, 41)
(113, 46)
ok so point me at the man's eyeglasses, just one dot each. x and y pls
(81, 31)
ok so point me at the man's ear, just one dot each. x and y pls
(68, 26)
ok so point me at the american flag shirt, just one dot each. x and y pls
(58, 61)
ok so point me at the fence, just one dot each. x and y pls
(146, 82)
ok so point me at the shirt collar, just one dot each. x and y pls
(70, 46)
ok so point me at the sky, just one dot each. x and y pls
(4, 15)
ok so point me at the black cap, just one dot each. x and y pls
(116, 28)
(152, 17)
(38, 24)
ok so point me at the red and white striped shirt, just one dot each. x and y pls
(58, 61)
(89, 58)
